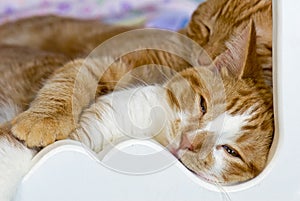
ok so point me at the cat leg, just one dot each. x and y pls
(54, 114)
(135, 113)
(15, 161)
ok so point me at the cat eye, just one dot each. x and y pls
(231, 151)
(203, 105)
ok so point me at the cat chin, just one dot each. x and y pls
(179, 153)
(208, 178)
(212, 179)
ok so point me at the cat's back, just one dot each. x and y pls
(70, 36)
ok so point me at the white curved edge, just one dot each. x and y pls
(56, 148)
(73, 146)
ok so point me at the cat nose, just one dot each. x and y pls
(185, 143)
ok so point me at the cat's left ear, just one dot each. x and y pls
(240, 57)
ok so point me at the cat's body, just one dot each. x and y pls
(197, 101)
(211, 25)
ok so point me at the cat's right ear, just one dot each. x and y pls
(240, 59)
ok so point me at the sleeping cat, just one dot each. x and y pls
(211, 25)
(228, 159)
(217, 119)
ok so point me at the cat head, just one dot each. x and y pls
(223, 124)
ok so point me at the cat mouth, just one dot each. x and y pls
(184, 145)
(200, 175)
(178, 152)
(203, 176)
(207, 178)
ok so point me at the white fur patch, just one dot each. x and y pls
(227, 129)
(219, 163)
(226, 126)
(140, 113)
(14, 164)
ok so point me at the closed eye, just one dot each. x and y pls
(232, 152)
(203, 105)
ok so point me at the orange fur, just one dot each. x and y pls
(239, 92)
(214, 21)
(220, 26)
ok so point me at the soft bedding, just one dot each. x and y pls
(166, 14)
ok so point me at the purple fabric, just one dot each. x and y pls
(167, 14)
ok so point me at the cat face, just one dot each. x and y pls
(225, 133)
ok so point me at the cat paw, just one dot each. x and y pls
(38, 130)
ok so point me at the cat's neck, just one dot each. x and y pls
(138, 113)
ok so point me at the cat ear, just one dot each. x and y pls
(240, 57)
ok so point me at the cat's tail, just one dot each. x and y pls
(15, 161)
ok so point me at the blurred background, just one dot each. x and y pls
(167, 14)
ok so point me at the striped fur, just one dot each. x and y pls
(200, 104)
(214, 21)
(238, 117)
(206, 111)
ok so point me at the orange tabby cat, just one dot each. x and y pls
(217, 17)
(56, 111)
(221, 128)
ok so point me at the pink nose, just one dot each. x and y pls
(185, 143)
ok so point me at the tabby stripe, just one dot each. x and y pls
(173, 99)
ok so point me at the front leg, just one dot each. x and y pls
(54, 113)
(135, 113)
